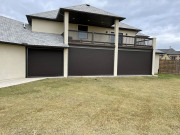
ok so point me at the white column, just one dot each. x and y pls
(66, 28)
(153, 55)
(65, 62)
(116, 32)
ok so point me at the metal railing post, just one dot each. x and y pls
(93, 37)
(135, 41)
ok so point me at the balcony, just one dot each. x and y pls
(103, 39)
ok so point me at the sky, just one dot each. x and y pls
(156, 18)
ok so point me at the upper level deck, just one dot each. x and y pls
(102, 39)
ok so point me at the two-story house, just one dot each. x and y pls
(73, 41)
(169, 54)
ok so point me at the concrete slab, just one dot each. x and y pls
(114, 76)
(12, 82)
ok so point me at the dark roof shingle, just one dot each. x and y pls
(159, 52)
(169, 51)
(90, 9)
(49, 14)
(83, 8)
(126, 26)
(139, 34)
(12, 31)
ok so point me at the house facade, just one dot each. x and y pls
(73, 41)
(169, 54)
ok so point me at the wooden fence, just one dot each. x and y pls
(169, 67)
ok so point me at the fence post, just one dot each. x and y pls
(166, 67)
(160, 65)
(178, 66)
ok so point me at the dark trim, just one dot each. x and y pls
(30, 17)
(136, 47)
(91, 47)
(12, 43)
(28, 45)
(135, 50)
(87, 45)
(152, 63)
(114, 17)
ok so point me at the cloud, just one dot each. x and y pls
(157, 18)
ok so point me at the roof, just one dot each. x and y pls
(52, 15)
(90, 9)
(49, 14)
(12, 31)
(126, 26)
(170, 51)
(159, 52)
(139, 34)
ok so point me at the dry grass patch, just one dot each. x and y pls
(130, 106)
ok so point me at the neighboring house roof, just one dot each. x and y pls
(139, 34)
(159, 52)
(170, 51)
(12, 31)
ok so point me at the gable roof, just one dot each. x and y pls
(90, 9)
(12, 31)
(48, 14)
(139, 34)
(52, 15)
(169, 51)
(97, 16)
(126, 26)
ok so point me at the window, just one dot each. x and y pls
(173, 57)
(83, 32)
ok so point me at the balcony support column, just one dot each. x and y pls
(153, 55)
(116, 32)
(66, 28)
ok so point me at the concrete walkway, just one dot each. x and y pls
(12, 82)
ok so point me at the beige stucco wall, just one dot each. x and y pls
(177, 56)
(156, 63)
(47, 26)
(165, 57)
(12, 61)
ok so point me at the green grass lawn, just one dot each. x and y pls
(76, 106)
